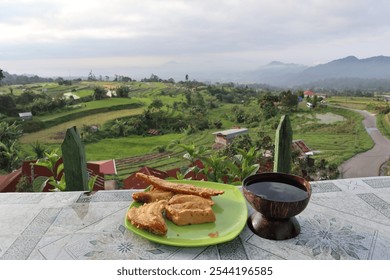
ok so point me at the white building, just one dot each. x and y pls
(225, 137)
(25, 116)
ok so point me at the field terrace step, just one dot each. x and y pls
(125, 163)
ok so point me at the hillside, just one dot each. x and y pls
(345, 73)
(367, 74)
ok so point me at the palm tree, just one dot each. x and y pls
(121, 127)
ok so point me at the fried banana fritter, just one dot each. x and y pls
(178, 188)
(149, 217)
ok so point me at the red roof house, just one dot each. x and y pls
(308, 93)
(132, 182)
(8, 182)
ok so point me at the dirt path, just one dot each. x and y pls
(368, 164)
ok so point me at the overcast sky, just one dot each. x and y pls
(67, 37)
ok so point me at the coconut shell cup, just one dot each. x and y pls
(274, 215)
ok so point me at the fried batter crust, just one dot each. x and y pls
(185, 214)
(152, 196)
(178, 187)
(149, 217)
(182, 198)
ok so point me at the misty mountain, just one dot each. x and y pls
(377, 67)
(275, 73)
(345, 73)
(14, 79)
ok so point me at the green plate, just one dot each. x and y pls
(231, 214)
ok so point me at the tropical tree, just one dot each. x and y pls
(288, 100)
(9, 132)
(7, 104)
(9, 146)
(9, 156)
(121, 127)
(39, 149)
(91, 76)
(156, 104)
(123, 91)
(99, 93)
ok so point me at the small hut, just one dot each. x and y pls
(225, 137)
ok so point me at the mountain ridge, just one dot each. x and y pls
(349, 67)
(341, 73)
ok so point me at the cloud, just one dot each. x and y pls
(214, 32)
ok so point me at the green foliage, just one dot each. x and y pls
(9, 146)
(39, 149)
(219, 167)
(288, 100)
(160, 148)
(120, 127)
(244, 164)
(50, 162)
(24, 185)
(99, 93)
(156, 104)
(32, 125)
(91, 182)
(188, 108)
(57, 179)
(194, 153)
(8, 105)
(39, 183)
(123, 91)
(215, 168)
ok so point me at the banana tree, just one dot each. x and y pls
(9, 156)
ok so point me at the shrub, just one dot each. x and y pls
(32, 125)
(24, 185)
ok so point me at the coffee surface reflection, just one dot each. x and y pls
(278, 191)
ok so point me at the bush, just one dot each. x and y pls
(24, 185)
(32, 125)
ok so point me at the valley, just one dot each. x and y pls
(186, 113)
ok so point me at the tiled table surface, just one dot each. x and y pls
(345, 219)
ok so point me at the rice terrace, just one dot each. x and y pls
(152, 122)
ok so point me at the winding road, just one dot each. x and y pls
(368, 164)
